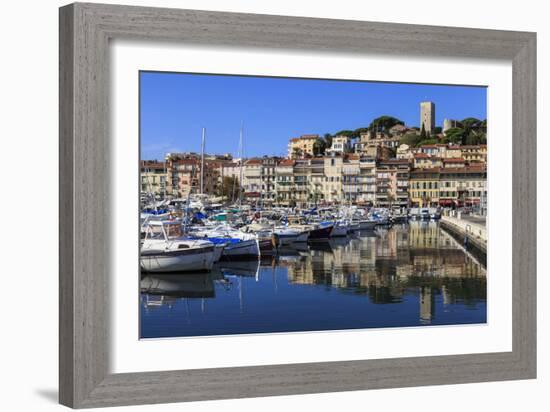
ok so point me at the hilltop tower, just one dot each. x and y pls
(427, 116)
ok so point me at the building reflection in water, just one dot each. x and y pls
(413, 274)
(386, 263)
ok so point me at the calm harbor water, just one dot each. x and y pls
(409, 275)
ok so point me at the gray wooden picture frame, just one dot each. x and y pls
(85, 32)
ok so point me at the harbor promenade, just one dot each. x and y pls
(470, 230)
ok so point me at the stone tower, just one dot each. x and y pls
(427, 116)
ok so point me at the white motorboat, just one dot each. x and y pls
(165, 250)
(237, 244)
(241, 248)
(286, 236)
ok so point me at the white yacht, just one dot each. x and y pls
(165, 250)
(237, 244)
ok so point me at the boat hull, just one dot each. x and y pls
(186, 260)
(354, 227)
(284, 239)
(218, 251)
(266, 247)
(367, 224)
(339, 231)
(242, 249)
(320, 233)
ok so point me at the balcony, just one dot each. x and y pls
(350, 171)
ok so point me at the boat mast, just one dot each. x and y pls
(164, 185)
(202, 159)
(241, 164)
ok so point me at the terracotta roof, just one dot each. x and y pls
(253, 162)
(395, 161)
(421, 156)
(152, 164)
(467, 169)
(425, 171)
(453, 160)
(287, 162)
(186, 161)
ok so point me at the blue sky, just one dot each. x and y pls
(175, 106)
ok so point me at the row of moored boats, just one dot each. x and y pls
(194, 239)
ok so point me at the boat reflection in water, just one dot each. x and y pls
(407, 275)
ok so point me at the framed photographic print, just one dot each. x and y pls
(257, 205)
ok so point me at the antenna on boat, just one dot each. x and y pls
(241, 155)
(202, 159)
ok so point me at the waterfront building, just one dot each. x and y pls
(332, 188)
(367, 180)
(424, 187)
(464, 186)
(183, 174)
(300, 172)
(392, 183)
(316, 179)
(269, 165)
(225, 169)
(350, 178)
(427, 117)
(228, 169)
(252, 178)
(153, 177)
(302, 146)
(284, 182)
(448, 188)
